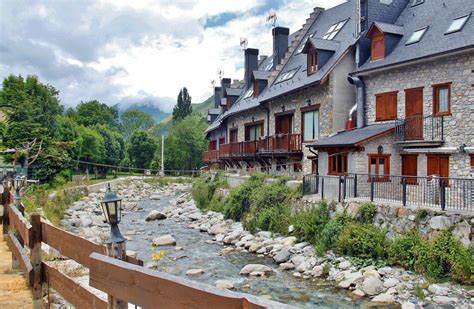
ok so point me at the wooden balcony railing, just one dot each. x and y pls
(282, 143)
(211, 156)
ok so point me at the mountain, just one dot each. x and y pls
(155, 112)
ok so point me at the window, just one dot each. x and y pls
(379, 167)
(378, 45)
(249, 93)
(416, 36)
(442, 99)
(334, 30)
(286, 75)
(337, 164)
(386, 106)
(269, 65)
(212, 145)
(417, 2)
(221, 141)
(472, 162)
(438, 165)
(310, 125)
(253, 131)
(410, 168)
(457, 24)
(284, 124)
(312, 60)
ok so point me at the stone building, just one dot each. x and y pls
(417, 97)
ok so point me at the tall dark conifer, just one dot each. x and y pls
(183, 106)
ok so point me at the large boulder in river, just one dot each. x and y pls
(372, 286)
(251, 268)
(155, 215)
(165, 240)
(282, 256)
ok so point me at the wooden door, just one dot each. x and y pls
(284, 124)
(233, 138)
(410, 168)
(414, 114)
(438, 165)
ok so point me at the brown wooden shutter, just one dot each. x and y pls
(444, 166)
(247, 133)
(438, 165)
(392, 106)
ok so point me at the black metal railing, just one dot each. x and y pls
(419, 128)
(435, 192)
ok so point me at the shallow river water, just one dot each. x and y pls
(282, 286)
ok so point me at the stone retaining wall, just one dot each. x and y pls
(399, 220)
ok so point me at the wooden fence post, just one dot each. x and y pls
(35, 257)
(6, 222)
(117, 251)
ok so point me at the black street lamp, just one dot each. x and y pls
(112, 210)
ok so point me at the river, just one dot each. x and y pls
(198, 253)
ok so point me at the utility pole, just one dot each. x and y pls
(162, 155)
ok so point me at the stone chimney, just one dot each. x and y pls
(217, 97)
(280, 44)
(251, 64)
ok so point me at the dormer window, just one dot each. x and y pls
(378, 45)
(312, 60)
(256, 88)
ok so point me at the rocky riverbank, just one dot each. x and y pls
(385, 285)
(382, 285)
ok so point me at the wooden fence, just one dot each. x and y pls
(126, 280)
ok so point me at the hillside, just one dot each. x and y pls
(155, 112)
(200, 108)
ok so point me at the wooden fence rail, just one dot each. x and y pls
(126, 280)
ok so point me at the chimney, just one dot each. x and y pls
(251, 64)
(217, 97)
(225, 83)
(280, 44)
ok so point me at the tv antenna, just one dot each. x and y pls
(213, 83)
(243, 43)
(220, 73)
(272, 18)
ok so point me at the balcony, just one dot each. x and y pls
(211, 156)
(282, 144)
(420, 131)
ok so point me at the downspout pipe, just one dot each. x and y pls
(360, 99)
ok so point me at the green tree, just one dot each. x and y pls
(141, 149)
(92, 146)
(94, 113)
(70, 136)
(114, 145)
(186, 143)
(136, 120)
(183, 106)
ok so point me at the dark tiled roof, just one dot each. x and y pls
(389, 28)
(262, 75)
(234, 91)
(341, 42)
(325, 44)
(353, 137)
(438, 16)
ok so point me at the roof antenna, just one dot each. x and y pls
(220, 73)
(272, 17)
(243, 43)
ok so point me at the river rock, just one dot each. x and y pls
(408, 305)
(287, 266)
(282, 256)
(438, 289)
(255, 247)
(224, 284)
(165, 240)
(439, 223)
(344, 265)
(372, 286)
(195, 216)
(289, 241)
(384, 298)
(155, 197)
(391, 282)
(195, 272)
(371, 273)
(85, 221)
(318, 271)
(384, 271)
(250, 268)
(358, 293)
(155, 215)
(444, 300)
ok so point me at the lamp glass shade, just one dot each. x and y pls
(18, 182)
(111, 207)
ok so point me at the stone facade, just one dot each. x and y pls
(458, 127)
(239, 121)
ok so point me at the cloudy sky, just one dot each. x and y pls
(140, 51)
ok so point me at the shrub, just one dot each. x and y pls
(331, 231)
(420, 215)
(217, 203)
(202, 192)
(309, 224)
(366, 213)
(362, 240)
(238, 202)
(405, 250)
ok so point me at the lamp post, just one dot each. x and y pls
(116, 245)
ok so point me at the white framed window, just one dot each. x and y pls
(334, 30)
(311, 125)
(416, 36)
(457, 24)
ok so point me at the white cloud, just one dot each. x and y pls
(117, 50)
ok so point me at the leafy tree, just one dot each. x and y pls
(141, 149)
(69, 136)
(186, 143)
(31, 110)
(133, 120)
(94, 113)
(183, 107)
(114, 145)
(92, 146)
